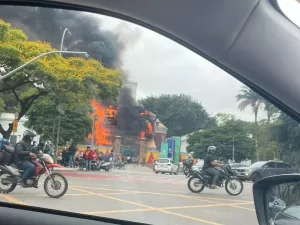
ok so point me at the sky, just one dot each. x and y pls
(160, 65)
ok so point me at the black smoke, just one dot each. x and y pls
(129, 121)
(48, 24)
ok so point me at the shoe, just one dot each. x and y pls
(213, 186)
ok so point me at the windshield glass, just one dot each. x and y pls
(107, 99)
(163, 160)
(257, 164)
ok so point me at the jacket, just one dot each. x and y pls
(89, 155)
(22, 151)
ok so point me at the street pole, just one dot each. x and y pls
(57, 136)
(93, 131)
(233, 149)
(63, 37)
(36, 58)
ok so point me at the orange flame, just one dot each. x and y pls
(101, 133)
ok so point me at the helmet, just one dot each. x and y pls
(211, 149)
(28, 135)
(88, 146)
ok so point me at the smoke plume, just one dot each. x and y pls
(48, 24)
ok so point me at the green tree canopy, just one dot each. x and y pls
(70, 81)
(179, 113)
(223, 137)
(75, 123)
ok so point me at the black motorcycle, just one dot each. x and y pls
(198, 180)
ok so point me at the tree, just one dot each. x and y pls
(179, 113)
(69, 81)
(232, 132)
(249, 98)
(75, 123)
(271, 111)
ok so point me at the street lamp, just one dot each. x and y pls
(36, 58)
(63, 37)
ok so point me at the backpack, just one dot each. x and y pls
(6, 152)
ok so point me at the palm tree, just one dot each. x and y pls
(249, 98)
(271, 110)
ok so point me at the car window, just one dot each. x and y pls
(271, 165)
(257, 165)
(105, 99)
(163, 161)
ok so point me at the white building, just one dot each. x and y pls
(6, 118)
(184, 143)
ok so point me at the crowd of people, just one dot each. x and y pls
(72, 157)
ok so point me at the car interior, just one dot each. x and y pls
(251, 40)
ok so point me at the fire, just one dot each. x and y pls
(101, 134)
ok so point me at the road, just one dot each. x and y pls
(143, 197)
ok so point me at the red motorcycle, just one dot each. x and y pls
(44, 164)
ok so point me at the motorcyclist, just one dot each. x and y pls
(210, 164)
(23, 153)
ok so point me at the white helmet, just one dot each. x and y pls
(211, 149)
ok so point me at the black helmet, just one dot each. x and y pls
(28, 135)
(211, 149)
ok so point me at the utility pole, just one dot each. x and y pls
(233, 150)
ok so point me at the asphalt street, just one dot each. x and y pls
(143, 196)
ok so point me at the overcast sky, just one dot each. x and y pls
(160, 65)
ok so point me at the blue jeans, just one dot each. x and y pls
(88, 164)
(72, 161)
(28, 168)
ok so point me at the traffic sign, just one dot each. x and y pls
(15, 126)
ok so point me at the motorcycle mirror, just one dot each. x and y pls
(277, 200)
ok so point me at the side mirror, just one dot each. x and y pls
(277, 200)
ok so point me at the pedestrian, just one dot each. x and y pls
(111, 157)
(88, 155)
(72, 151)
(65, 157)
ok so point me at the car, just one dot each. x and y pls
(263, 169)
(235, 166)
(252, 40)
(165, 165)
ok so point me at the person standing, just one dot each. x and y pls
(88, 155)
(111, 157)
(72, 151)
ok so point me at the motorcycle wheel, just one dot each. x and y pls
(229, 182)
(107, 169)
(186, 171)
(57, 185)
(11, 186)
(190, 185)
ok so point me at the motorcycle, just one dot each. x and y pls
(44, 163)
(120, 165)
(104, 165)
(199, 179)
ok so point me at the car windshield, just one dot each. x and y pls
(163, 160)
(106, 99)
(237, 165)
(257, 164)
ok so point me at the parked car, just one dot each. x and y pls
(263, 169)
(235, 166)
(165, 165)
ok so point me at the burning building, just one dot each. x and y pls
(125, 120)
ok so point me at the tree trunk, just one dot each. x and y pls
(6, 133)
(267, 133)
(256, 133)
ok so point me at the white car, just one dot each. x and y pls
(165, 165)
